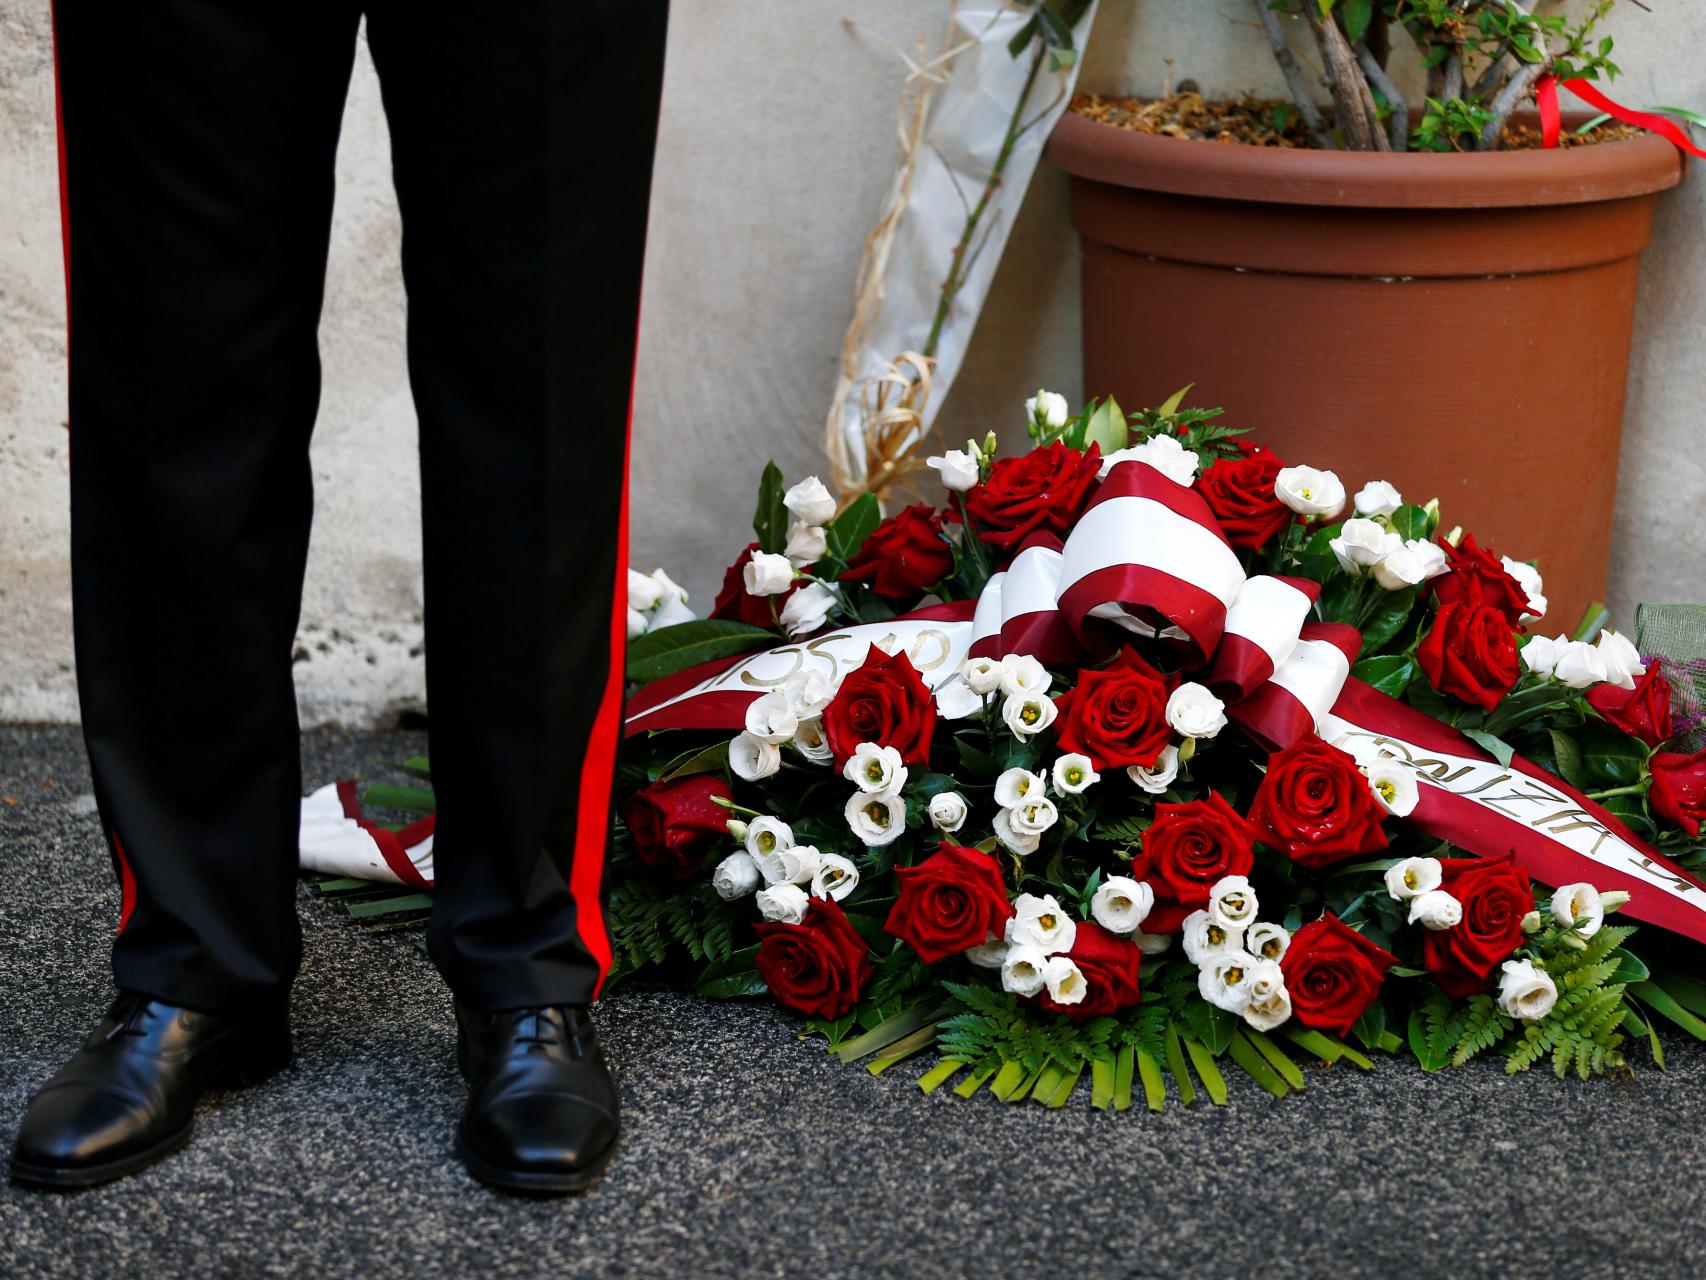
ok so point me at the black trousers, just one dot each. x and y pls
(197, 148)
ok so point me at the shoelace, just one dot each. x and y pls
(534, 1026)
(130, 1009)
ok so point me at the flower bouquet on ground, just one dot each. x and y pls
(1135, 758)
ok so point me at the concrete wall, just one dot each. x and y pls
(776, 146)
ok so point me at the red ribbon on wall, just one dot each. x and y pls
(1551, 118)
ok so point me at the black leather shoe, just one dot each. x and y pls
(127, 1097)
(542, 1111)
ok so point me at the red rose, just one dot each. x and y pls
(1316, 806)
(1470, 652)
(1496, 895)
(1477, 576)
(1109, 964)
(951, 901)
(674, 824)
(1240, 492)
(1333, 974)
(904, 556)
(735, 605)
(1679, 789)
(1042, 489)
(1118, 715)
(881, 701)
(1642, 712)
(816, 967)
(1185, 850)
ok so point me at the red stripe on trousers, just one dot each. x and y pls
(126, 885)
(592, 814)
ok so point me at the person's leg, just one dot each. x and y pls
(522, 136)
(197, 148)
(198, 145)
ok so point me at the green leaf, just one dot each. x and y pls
(1593, 622)
(1125, 1064)
(847, 532)
(1256, 1066)
(939, 1075)
(1372, 1025)
(1107, 427)
(733, 987)
(1214, 1027)
(1175, 1055)
(709, 759)
(1430, 1058)
(1357, 14)
(1385, 617)
(1494, 745)
(1390, 673)
(890, 1031)
(1213, 1083)
(1102, 1082)
(383, 795)
(1568, 757)
(1171, 404)
(1154, 1090)
(1287, 1069)
(1410, 521)
(671, 649)
(1610, 757)
(770, 520)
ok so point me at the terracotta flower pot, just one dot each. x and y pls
(1456, 324)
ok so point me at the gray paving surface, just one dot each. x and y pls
(748, 1152)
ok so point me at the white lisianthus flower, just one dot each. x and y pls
(767, 575)
(1204, 938)
(1041, 923)
(808, 693)
(1526, 992)
(1065, 980)
(1579, 664)
(1410, 565)
(1621, 658)
(1032, 817)
(783, 903)
(1266, 941)
(1394, 786)
(1232, 902)
(1437, 910)
(1573, 902)
(875, 768)
(1047, 409)
(1022, 969)
(1160, 775)
(671, 612)
(1015, 784)
(752, 759)
(735, 876)
(1540, 654)
(1270, 1003)
(1164, 453)
(737, 829)
(1363, 543)
(982, 675)
(770, 719)
(796, 864)
(835, 877)
(1531, 923)
(1151, 944)
(1022, 674)
(806, 543)
(807, 609)
(1412, 877)
(876, 819)
(637, 623)
(1023, 843)
(1225, 981)
(1378, 498)
(957, 468)
(948, 811)
(1529, 579)
(1194, 712)
(991, 953)
(956, 701)
(644, 591)
(767, 835)
(810, 742)
(810, 501)
(1027, 714)
(1309, 492)
(1074, 774)
(1120, 904)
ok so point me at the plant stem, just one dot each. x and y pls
(1353, 101)
(1300, 94)
(1634, 789)
(1516, 88)
(957, 269)
(1398, 123)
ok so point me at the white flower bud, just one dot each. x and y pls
(1394, 786)
(1437, 910)
(1023, 843)
(1194, 712)
(810, 742)
(807, 609)
(1023, 674)
(876, 820)
(982, 675)
(1622, 660)
(1047, 409)
(810, 502)
(767, 575)
(1266, 941)
(957, 468)
(1204, 938)
(1065, 980)
(948, 811)
(735, 876)
(1526, 992)
(1022, 969)
(1015, 784)
(1232, 902)
(806, 543)
(1378, 498)
(1027, 715)
(1224, 981)
(766, 835)
(1363, 543)
(783, 903)
(796, 864)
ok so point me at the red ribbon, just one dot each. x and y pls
(1551, 118)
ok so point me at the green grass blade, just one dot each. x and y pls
(1025, 1089)
(1255, 1065)
(1102, 1083)
(1068, 1082)
(1123, 1067)
(1175, 1055)
(1154, 1088)
(389, 906)
(1007, 1080)
(1287, 1069)
(1047, 1082)
(1326, 1048)
(383, 795)
(1659, 1000)
(886, 1033)
(1633, 1021)
(1213, 1083)
(939, 1075)
(905, 1048)
(972, 1083)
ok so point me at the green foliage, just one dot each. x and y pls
(1583, 1030)
(770, 520)
(646, 921)
(992, 1028)
(670, 649)
(1479, 1026)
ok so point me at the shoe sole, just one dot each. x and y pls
(59, 1178)
(530, 1182)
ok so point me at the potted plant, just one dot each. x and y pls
(1385, 280)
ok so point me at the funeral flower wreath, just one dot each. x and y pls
(1141, 755)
